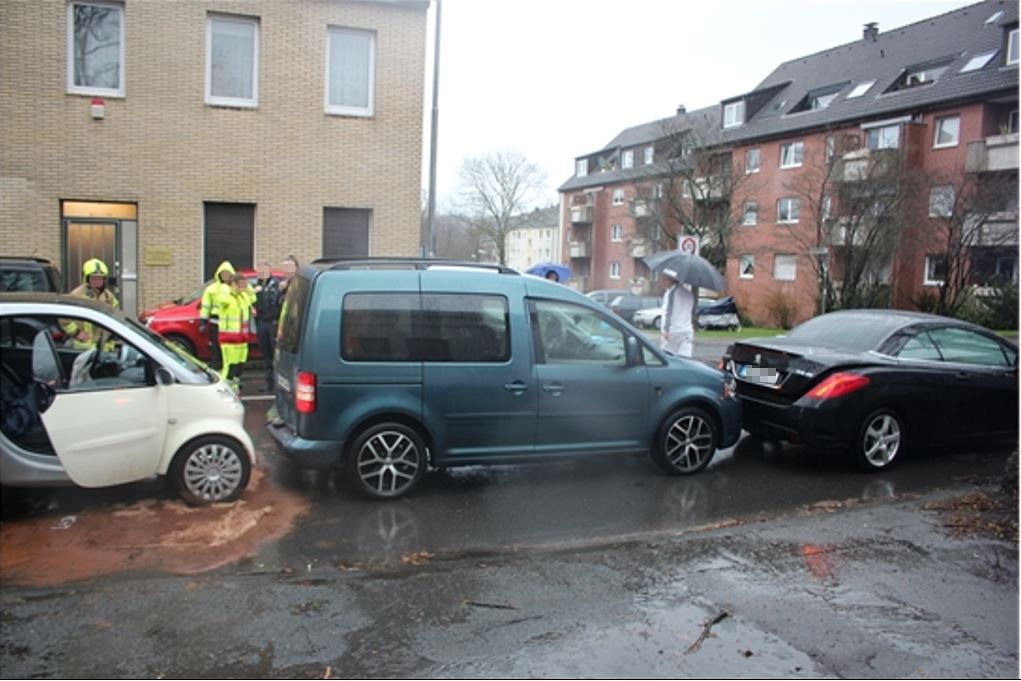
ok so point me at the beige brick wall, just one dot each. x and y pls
(163, 147)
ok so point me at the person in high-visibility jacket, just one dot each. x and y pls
(209, 309)
(235, 315)
(83, 334)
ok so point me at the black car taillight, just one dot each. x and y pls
(838, 385)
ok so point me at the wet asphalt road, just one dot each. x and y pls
(603, 567)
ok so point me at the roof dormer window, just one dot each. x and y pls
(1012, 46)
(919, 75)
(733, 114)
(819, 98)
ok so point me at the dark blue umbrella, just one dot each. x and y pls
(542, 269)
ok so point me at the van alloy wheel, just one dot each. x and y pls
(388, 461)
(210, 470)
(686, 442)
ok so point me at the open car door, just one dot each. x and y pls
(105, 431)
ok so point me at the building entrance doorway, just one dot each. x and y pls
(108, 231)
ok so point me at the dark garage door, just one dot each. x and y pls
(230, 231)
(346, 232)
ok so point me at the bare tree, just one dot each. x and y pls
(689, 191)
(966, 237)
(495, 189)
(847, 211)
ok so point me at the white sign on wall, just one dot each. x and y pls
(688, 244)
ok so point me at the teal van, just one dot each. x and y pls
(387, 367)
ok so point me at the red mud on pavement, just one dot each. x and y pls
(154, 534)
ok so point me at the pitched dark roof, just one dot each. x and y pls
(955, 37)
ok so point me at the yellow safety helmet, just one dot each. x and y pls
(93, 267)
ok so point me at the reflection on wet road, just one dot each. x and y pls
(293, 519)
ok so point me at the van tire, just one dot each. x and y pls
(686, 442)
(386, 460)
(210, 469)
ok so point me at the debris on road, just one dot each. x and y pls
(706, 631)
(495, 606)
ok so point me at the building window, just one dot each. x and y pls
(614, 270)
(733, 114)
(1012, 46)
(792, 154)
(350, 71)
(788, 210)
(785, 267)
(860, 89)
(941, 201)
(657, 191)
(232, 61)
(948, 131)
(827, 207)
(752, 160)
(616, 233)
(649, 151)
(95, 48)
(618, 197)
(978, 61)
(884, 137)
(751, 213)
(627, 159)
(581, 168)
(747, 267)
(935, 269)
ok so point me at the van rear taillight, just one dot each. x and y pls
(838, 385)
(305, 393)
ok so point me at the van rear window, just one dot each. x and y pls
(292, 315)
(433, 327)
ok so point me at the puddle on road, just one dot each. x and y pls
(151, 534)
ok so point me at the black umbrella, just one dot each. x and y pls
(687, 269)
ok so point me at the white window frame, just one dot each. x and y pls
(879, 129)
(793, 206)
(748, 155)
(340, 110)
(927, 280)
(794, 147)
(83, 89)
(616, 232)
(826, 208)
(733, 114)
(750, 208)
(627, 159)
(1012, 47)
(749, 259)
(581, 168)
(215, 100)
(941, 201)
(614, 270)
(791, 262)
(618, 197)
(939, 126)
(649, 154)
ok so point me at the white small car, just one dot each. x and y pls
(132, 407)
(649, 317)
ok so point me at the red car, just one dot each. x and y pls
(179, 320)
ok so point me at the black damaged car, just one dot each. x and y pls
(875, 382)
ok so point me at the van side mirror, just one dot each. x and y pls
(633, 351)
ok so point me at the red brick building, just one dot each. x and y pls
(882, 171)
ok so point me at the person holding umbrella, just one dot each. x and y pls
(677, 268)
(677, 334)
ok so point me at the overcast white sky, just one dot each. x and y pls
(555, 79)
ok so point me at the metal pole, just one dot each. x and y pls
(435, 132)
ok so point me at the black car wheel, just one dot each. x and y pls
(211, 469)
(686, 442)
(656, 322)
(880, 440)
(386, 461)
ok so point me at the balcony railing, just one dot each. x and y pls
(580, 249)
(581, 214)
(992, 154)
(639, 247)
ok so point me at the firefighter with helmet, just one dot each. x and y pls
(84, 335)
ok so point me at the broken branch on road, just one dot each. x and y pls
(706, 629)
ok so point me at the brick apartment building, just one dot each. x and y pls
(856, 164)
(166, 136)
